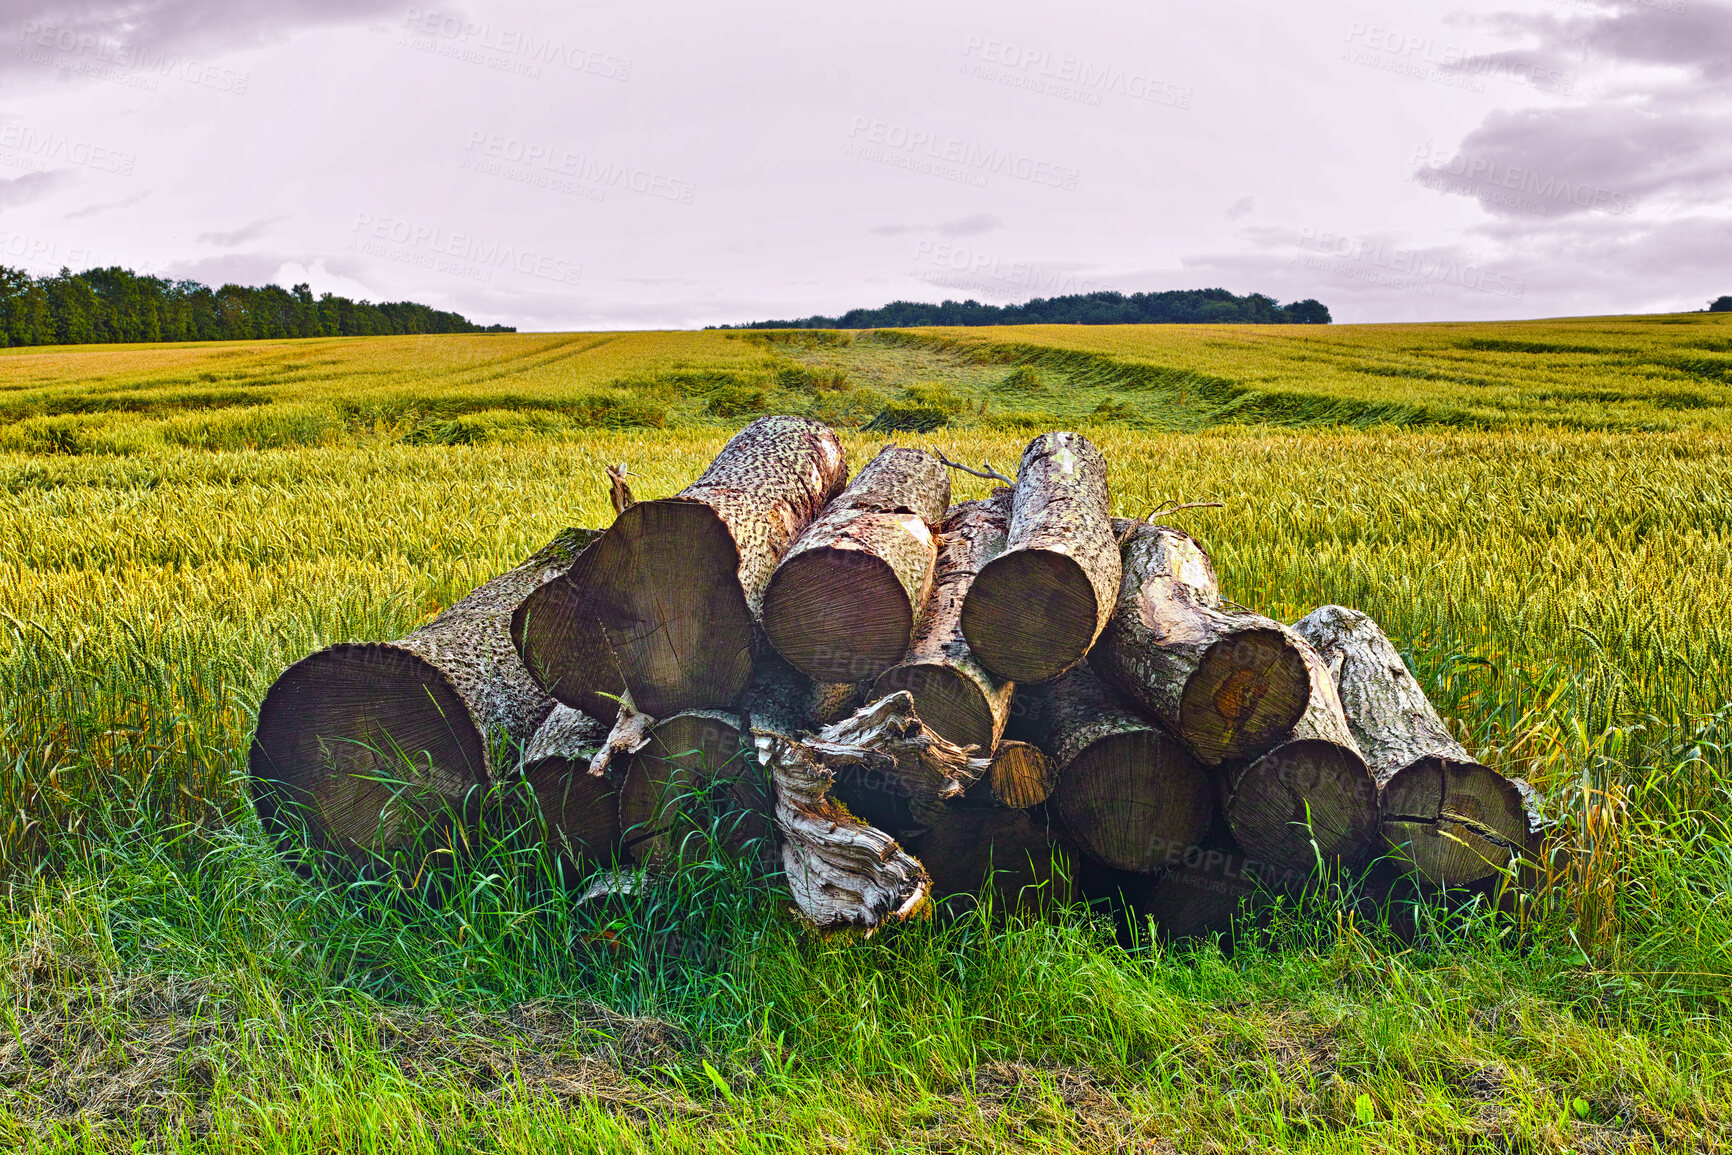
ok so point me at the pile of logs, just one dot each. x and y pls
(894, 700)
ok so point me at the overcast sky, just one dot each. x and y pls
(560, 165)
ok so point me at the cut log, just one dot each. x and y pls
(691, 790)
(362, 745)
(1035, 609)
(1229, 683)
(1310, 802)
(678, 583)
(953, 692)
(844, 601)
(1021, 776)
(559, 637)
(1128, 792)
(910, 773)
(1206, 890)
(1008, 854)
(578, 811)
(1451, 819)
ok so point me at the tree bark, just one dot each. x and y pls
(362, 745)
(1451, 819)
(559, 637)
(1310, 801)
(1127, 791)
(692, 791)
(578, 811)
(1229, 683)
(953, 692)
(1035, 609)
(846, 598)
(678, 584)
(1009, 854)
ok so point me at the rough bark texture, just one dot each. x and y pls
(678, 583)
(1035, 609)
(911, 773)
(692, 789)
(579, 812)
(953, 692)
(560, 639)
(359, 743)
(1127, 792)
(846, 598)
(1229, 683)
(1454, 820)
(969, 846)
(833, 701)
(1310, 801)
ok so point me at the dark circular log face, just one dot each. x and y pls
(838, 615)
(1021, 776)
(669, 596)
(1249, 690)
(1030, 615)
(1133, 799)
(1301, 801)
(693, 778)
(580, 810)
(1437, 814)
(946, 699)
(361, 745)
(562, 643)
(1027, 869)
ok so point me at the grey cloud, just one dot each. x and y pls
(230, 269)
(105, 206)
(973, 225)
(1241, 207)
(250, 231)
(34, 186)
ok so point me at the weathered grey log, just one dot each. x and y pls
(578, 811)
(1310, 802)
(1452, 819)
(678, 584)
(1128, 792)
(1035, 609)
(361, 745)
(1228, 683)
(953, 692)
(692, 791)
(1009, 854)
(846, 598)
(559, 637)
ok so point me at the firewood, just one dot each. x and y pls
(1228, 683)
(692, 790)
(1035, 609)
(678, 584)
(1020, 776)
(846, 597)
(953, 692)
(559, 637)
(362, 744)
(578, 811)
(1451, 819)
(970, 846)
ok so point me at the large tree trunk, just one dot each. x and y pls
(560, 639)
(1010, 854)
(953, 692)
(578, 811)
(1035, 609)
(692, 790)
(1229, 683)
(1310, 802)
(678, 583)
(846, 598)
(1454, 820)
(1128, 792)
(361, 745)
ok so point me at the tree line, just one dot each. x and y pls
(116, 304)
(1176, 307)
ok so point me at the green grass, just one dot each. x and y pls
(1555, 568)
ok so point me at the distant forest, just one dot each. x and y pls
(1178, 307)
(115, 304)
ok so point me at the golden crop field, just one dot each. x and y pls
(1540, 514)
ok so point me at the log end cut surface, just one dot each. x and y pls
(837, 614)
(692, 781)
(1131, 798)
(1456, 822)
(1030, 615)
(354, 738)
(562, 643)
(1009, 849)
(1305, 801)
(1021, 775)
(946, 699)
(668, 593)
(1249, 691)
(580, 810)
